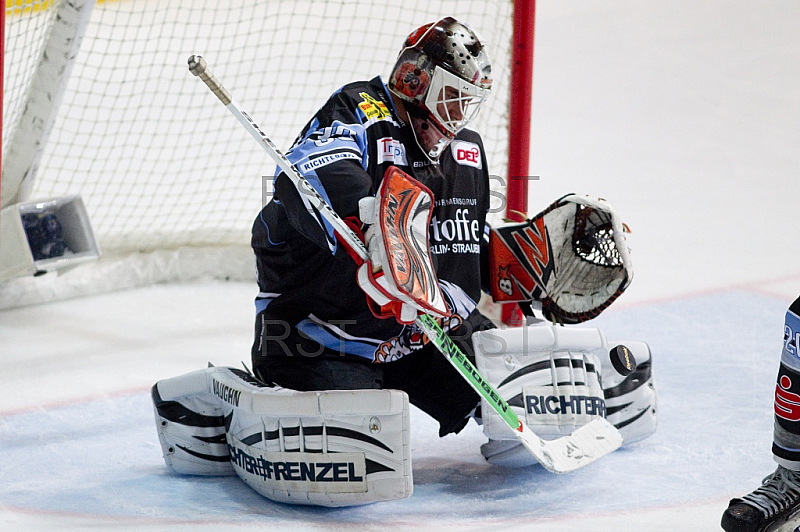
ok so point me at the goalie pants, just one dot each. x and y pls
(433, 385)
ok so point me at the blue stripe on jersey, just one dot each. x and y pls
(262, 304)
(316, 184)
(788, 448)
(337, 136)
(341, 345)
(266, 225)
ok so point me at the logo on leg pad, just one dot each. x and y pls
(562, 405)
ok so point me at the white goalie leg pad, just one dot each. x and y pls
(191, 426)
(553, 384)
(554, 377)
(330, 448)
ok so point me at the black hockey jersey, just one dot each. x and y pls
(307, 282)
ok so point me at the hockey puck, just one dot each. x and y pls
(622, 360)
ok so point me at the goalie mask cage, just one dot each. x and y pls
(98, 102)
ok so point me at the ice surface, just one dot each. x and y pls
(97, 454)
(684, 115)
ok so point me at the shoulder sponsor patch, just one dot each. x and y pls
(373, 108)
(391, 150)
(466, 153)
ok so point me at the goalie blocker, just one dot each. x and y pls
(333, 448)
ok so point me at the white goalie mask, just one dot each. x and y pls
(443, 74)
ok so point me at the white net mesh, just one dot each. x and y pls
(159, 162)
(154, 155)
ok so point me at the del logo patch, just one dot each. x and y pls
(466, 153)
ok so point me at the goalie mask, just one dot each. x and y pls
(443, 75)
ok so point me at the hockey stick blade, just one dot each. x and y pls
(565, 454)
(590, 442)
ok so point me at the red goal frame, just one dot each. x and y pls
(519, 129)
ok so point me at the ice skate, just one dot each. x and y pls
(776, 502)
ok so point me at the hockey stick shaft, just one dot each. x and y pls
(558, 456)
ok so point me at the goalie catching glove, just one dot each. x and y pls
(399, 278)
(572, 257)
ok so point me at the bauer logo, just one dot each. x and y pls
(466, 153)
(391, 150)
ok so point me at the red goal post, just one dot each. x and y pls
(519, 127)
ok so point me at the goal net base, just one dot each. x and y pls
(116, 272)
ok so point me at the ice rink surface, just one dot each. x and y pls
(684, 115)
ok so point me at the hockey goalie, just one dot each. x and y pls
(339, 353)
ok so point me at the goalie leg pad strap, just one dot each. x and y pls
(331, 448)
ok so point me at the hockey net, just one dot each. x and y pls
(172, 184)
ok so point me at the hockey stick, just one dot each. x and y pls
(585, 445)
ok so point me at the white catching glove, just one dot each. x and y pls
(572, 258)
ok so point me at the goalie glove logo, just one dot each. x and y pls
(520, 254)
(572, 257)
(504, 283)
(404, 214)
(410, 273)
